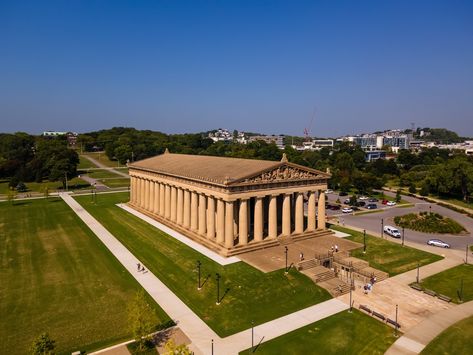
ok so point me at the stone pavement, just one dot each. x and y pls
(415, 340)
(198, 332)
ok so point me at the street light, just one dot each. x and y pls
(212, 347)
(198, 268)
(217, 277)
(351, 287)
(252, 335)
(395, 329)
(285, 251)
(382, 227)
(364, 241)
(402, 236)
(417, 278)
(466, 254)
(430, 209)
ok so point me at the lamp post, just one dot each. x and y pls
(351, 287)
(285, 252)
(198, 269)
(460, 294)
(212, 347)
(364, 241)
(417, 278)
(252, 335)
(466, 254)
(395, 328)
(382, 228)
(217, 277)
(430, 209)
(402, 236)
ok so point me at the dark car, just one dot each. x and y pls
(360, 203)
(371, 206)
(342, 193)
(373, 200)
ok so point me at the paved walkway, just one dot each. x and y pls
(417, 338)
(182, 238)
(199, 333)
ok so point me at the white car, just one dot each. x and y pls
(438, 243)
(391, 203)
(392, 231)
(347, 210)
(363, 198)
(329, 191)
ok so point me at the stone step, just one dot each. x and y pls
(307, 264)
(335, 287)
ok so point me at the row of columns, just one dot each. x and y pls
(217, 220)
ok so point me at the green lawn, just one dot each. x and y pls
(342, 333)
(104, 174)
(448, 282)
(387, 256)
(85, 163)
(73, 184)
(56, 276)
(252, 295)
(455, 340)
(118, 182)
(457, 202)
(102, 158)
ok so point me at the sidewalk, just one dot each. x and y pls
(198, 332)
(417, 338)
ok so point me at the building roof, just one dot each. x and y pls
(218, 170)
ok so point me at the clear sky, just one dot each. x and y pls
(264, 66)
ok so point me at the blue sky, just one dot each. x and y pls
(264, 66)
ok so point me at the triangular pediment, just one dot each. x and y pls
(284, 172)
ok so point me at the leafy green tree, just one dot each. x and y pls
(142, 319)
(170, 348)
(412, 189)
(43, 345)
(398, 196)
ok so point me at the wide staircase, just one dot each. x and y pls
(335, 286)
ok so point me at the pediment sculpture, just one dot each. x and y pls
(282, 173)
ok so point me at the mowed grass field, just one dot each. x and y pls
(248, 294)
(387, 256)
(455, 340)
(342, 333)
(57, 277)
(449, 283)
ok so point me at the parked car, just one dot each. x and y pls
(392, 231)
(438, 243)
(362, 198)
(334, 207)
(385, 202)
(342, 193)
(391, 203)
(360, 203)
(347, 210)
(373, 199)
(371, 206)
(347, 201)
(329, 191)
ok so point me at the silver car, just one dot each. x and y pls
(438, 243)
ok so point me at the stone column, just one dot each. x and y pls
(187, 209)
(258, 222)
(202, 214)
(180, 206)
(228, 224)
(210, 218)
(321, 211)
(273, 217)
(220, 221)
(156, 198)
(167, 201)
(162, 195)
(173, 203)
(243, 223)
(286, 215)
(194, 211)
(147, 195)
(299, 213)
(132, 189)
(311, 212)
(151, 196)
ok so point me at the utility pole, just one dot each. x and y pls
(364, 241)
(382, 228)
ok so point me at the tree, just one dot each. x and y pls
(142, 319)
(170, 348)
(43, 345)
(412, 189)
(398, 196)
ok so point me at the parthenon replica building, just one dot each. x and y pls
(230, 205)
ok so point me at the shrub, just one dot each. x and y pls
(429, 223)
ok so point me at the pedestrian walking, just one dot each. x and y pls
(138, 266)
(301, 256)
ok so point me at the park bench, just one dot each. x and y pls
(444, 298)
(393, 322)
(379, 315)
(430, 292)
(364, 308)
(416, 287)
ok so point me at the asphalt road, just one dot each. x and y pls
(372, 221)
